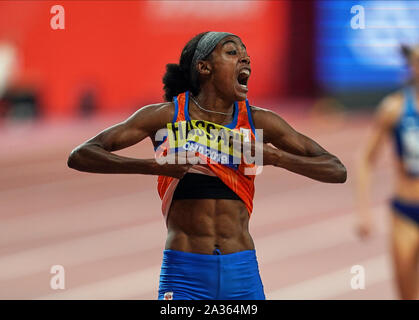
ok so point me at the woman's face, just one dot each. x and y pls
(229, 68)
(414, 62)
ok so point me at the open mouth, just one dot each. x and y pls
(243, 77)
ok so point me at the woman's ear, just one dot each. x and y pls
(203, 67)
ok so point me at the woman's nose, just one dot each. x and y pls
(245, 59)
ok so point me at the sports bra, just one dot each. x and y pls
(201, 186)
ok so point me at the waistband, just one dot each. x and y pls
(174, 256)
(405, 206)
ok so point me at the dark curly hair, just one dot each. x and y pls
(178, 77)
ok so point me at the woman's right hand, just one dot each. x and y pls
(173, 170)
(175, 165)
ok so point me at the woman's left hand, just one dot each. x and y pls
(262, 154)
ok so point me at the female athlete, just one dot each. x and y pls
(398, 117)
(209, 253)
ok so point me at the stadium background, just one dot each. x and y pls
(61, 87)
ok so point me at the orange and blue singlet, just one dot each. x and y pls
(192, 276)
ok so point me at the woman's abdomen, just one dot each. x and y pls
(200, 225)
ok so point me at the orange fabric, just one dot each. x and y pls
(241, 184)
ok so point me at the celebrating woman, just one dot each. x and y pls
(209, 253)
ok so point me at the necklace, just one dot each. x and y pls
(199, 106)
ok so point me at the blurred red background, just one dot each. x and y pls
(118, 52)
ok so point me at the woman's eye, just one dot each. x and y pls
(233, 52)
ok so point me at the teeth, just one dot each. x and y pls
(245, 71)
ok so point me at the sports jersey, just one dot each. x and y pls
(406, 134)
(234, 176)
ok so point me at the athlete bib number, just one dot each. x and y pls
(213, 141)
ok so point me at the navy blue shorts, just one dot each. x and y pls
(409, 210)
(193, 276)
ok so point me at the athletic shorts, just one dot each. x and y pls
(192, 276)
(406, 209)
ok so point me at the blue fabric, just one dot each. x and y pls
(176, 109)
(408, 125)
(249, 115)
(409, 210)
(193, 276)
(408, 111)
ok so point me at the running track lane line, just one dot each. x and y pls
(328, 286)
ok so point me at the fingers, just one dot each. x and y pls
(182, 157)
(253, 152)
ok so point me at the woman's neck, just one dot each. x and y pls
(213, 102)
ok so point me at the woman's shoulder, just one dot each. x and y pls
(161, 112)
(160, 108)
(269, 121)
(263, 115)
(390, 107)
(259, 112)
(394, 98)
(153, 116)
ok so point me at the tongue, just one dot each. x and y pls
(242, 79)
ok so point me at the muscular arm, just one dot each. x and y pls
(95, 155)
(296, 152)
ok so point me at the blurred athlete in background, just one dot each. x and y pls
(397, 117)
